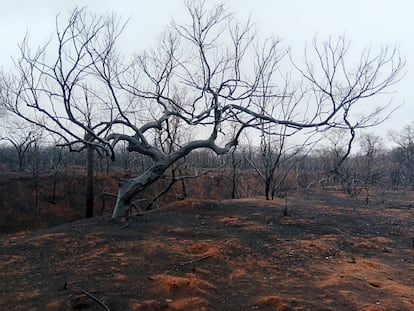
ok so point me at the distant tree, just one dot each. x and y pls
(403, 155)
(235, 163)
(272, 158)
(56, 161)
(22, 137)
(35, 160)
(273, 150)
(209, 73)
(26, 140)
(340, 166)
(372, 170)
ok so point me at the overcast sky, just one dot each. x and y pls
(364, 22)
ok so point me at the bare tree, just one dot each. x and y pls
(274, 160)
(208, 73)
(35, 165)
(372, 171)
(235, 162)
(273, 137)
(56, 162)
(22, 137)
(403, 154)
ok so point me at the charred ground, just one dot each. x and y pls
(327, 252)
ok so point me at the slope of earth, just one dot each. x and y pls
(325, 252)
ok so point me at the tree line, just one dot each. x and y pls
(277, 169)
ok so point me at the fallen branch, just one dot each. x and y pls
(125, 226)
(96, 299)
(108, 194)
(195, 260)
(399, 206)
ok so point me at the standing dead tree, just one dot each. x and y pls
(403, 156)
(208, 73)
(334, 82)
(22, 138)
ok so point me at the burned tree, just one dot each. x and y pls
(208, 74)
(22, 137)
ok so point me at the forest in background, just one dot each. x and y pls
(43, 185)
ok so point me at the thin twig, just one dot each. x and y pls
(124, 226)
(93, 297)
(196, 260)
(108, 194)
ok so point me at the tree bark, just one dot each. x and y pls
(234, 164)
(128, 189)
(267, 187)
(90, 192)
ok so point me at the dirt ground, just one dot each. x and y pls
(325, 252)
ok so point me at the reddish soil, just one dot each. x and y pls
(327, 252)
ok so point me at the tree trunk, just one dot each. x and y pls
(53, 199)
(128, 189)
(90, 193)
(268, 182)
(20, 162)
(233, 176)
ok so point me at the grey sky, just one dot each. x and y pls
(364, 22)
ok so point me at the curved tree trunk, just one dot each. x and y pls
(128, 189)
